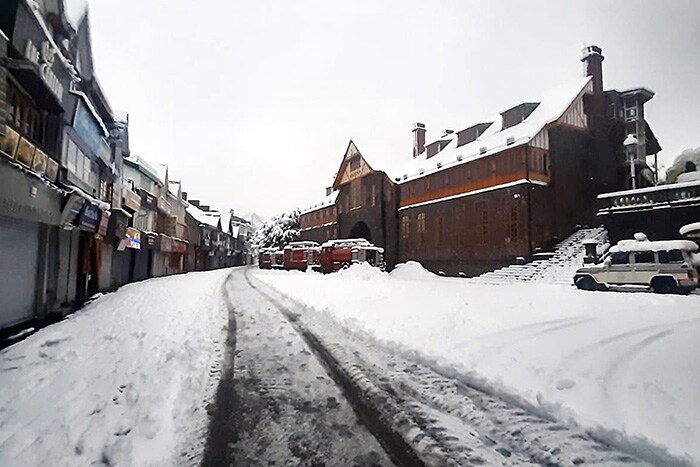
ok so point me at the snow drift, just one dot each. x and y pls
(623, 365)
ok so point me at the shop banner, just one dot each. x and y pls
(25, 152)
(90, 131)
(9, 139)
(89, 218)
(72, 209)
(151, 239)
(133, 237)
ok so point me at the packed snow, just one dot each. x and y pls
(124, 381)
(622, 365)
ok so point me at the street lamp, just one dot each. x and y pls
(630, 144)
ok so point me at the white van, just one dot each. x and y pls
(664, 266)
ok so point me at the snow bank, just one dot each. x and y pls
(411, 270)
(360, 272)
(122, 382)
(624, 365)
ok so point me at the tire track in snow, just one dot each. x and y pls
(393, 443)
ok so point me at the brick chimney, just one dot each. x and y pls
(418, 139)
(184, 195)
(592, 58)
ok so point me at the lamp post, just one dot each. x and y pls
(630, 144)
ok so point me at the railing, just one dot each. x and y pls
(661, 195)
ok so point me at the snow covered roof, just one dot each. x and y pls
(650, 189)
(174, 188)
(145, 167)
(661, 245)
(300, 245)
(226, 220)
(347, 242)
(75, 11)
(207, 218)
(325, 202)
(689, 228)
(495, 138)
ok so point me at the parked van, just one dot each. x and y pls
(663, 266)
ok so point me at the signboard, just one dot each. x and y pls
(90, 131)
(179, 247)
(104, 223)
(90, 217)
(148, 200)
(133, 238)
(72, 209)
(51, 169)
(40, 162)
(8, 142)
(25, 152)
(131, 200)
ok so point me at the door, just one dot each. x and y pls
(19, 250)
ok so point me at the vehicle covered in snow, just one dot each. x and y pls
(266, 257)
(667, 266)
(340, 254)
(278, 259)
(301, 255)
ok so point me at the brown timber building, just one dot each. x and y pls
(475, 199)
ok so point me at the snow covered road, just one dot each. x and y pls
(246, 367)
(124, 381)
(623, 367)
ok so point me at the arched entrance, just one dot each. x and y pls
(361, 230)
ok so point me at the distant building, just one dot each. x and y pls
(476, 198)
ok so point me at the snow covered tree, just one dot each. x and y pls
(278, 231)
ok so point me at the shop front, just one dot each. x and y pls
(29, 212)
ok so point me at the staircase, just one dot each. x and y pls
(557, 269)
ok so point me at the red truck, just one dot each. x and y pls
(339, 254)
(265, 258)
(299, 255)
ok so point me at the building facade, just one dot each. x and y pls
(474, 199)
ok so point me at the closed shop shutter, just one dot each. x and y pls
(19, 250)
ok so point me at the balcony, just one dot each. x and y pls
(657, 197)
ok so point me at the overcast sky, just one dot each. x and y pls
(252, 103)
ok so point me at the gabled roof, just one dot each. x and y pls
(212, 219)
(552, 105)
(144, 167)
(350, 153)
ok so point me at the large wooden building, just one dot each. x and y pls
(474, 199)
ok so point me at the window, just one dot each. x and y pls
(105, 190)
(354, 164)
(404, 227)
(421, 223)
(440, 231)
(421, 228)
(513, 224)
(673, 256)
(484, 224)
(644, 257)
(620, 258)
(355, 194)
(374, 195)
